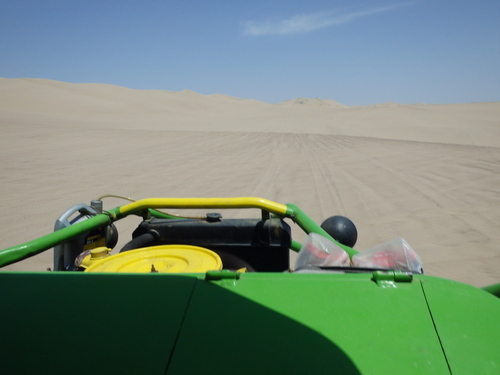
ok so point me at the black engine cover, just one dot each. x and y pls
(261, 244)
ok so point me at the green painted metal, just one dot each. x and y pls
(493, 289)
(162, 215)
(17, 253)
(76, 323)
(388, 279)
(296, 246)
(467, 321)
(28, 249)
(309, 225)
(222, 275)
(254, 323)
(307, 324)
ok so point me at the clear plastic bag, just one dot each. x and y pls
(394, 254)
(317, 251)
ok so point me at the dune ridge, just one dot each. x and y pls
(167, 110)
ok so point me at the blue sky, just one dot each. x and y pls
(354, 52)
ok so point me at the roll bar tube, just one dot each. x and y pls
(17, 253)
(29, 249)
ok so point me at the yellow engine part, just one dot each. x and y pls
(94, 256)
(163, 259)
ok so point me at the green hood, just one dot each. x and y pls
(251, 323)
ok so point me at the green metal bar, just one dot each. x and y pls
(296, 246)
(308, 225)
(29, 249)
(162, 215)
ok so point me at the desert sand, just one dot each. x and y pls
(427, 173)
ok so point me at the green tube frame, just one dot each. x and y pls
(17, 253)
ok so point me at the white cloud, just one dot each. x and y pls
(302, 23)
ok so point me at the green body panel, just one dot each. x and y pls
(468, 323)
(245, 323)
(493, 289)
(308, 323)
(75, 323)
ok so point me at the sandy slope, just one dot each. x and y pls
(428, 173)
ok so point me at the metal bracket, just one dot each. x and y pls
(388, 279)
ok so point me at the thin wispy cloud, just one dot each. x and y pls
(302, 23)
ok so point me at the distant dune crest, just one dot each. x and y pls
(52, 102)
(315, 102)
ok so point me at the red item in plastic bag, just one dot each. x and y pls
(394, 254)
(318, 251)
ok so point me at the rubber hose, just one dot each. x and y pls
(143, 240)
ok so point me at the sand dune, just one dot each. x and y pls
(428, 173)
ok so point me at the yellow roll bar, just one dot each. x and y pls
(241, 202)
